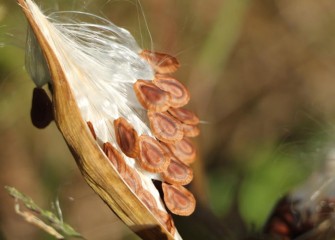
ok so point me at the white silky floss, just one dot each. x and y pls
(101, 62)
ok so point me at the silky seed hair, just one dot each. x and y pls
(132, 106)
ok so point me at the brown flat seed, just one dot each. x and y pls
(132, 179)
(178, 173)
(147, 199)
(184, 150)
(90, 126)
(184, 115)
(165, 127)
(115, 157)
(166, 149)
(166, 220)
(152, 156)
(190, 130)
(178, 199)
(160, 62)
(180, 96)
(150, 96)
(41, 112)
(126, 137)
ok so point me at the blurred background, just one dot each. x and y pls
(262, 78)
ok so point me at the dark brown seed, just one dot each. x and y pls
(178, 173)
(126, 137)
(178, 92)
(90, 126)
(115, 157)
(178, 199)
(165, 127)
(160, 62)
(150, 96)
(41, 112)
(152, 157)
(184, 115)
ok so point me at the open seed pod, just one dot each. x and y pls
(101, 92)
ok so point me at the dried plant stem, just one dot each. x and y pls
(92, 162)
(57, 224)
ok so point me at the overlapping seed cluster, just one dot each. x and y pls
(290, 221)
(169, 152)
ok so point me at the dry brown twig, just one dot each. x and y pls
(120, 167)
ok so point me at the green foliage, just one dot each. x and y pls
(50, 217)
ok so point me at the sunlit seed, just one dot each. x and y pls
(160, 62)
(190, 130)
(150, 96)
(178, 173)
(165, 127)
(126, 137)
(152, 157)
(184, 115)
(178, 199)
(184, 150)
(179, 93)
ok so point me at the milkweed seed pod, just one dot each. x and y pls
(121, 113)
(308, 212)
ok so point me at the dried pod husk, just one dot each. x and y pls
(91, 160)
(161, 62)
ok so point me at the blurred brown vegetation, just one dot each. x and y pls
(262, 78)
